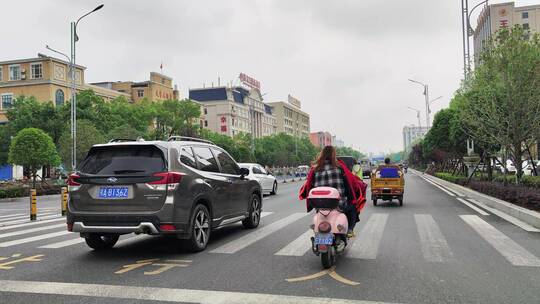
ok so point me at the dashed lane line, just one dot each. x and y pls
(506, 217)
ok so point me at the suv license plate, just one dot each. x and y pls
(324, 239)
(113, 192)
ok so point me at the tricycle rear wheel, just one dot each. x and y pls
(400, 199)
(375, 201)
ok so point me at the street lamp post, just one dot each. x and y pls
(417, 115)
(74, 39)
(426, 95)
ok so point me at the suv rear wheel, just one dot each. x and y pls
(254, 218)
(200, 228)
(101, 241)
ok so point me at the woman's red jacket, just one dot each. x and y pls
(356, 186)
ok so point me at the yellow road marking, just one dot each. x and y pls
(35, 258)
(331, 272)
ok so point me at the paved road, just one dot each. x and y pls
(434, 249)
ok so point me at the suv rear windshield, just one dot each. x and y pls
(117, 160)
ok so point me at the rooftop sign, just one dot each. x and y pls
(295, 102)
(249, 81)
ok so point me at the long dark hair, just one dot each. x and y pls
(328, 153)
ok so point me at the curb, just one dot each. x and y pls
(530, 217)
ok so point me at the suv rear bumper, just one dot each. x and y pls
(143, 227)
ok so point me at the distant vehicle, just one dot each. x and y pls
(183, 187)
(266, 180)
(302, 171)
(366, 167)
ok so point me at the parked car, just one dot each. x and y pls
(267, 181)
(302, 171)
(182, 187)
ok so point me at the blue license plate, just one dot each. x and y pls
(113, 192)
(324, 239)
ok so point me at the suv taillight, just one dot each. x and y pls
(71, 183)
(169, 180)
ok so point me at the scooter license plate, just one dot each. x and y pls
(324, 239)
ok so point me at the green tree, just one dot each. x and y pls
(502, 105)
(32, 148)
(176, 117)
(125, 131)
(87, 136)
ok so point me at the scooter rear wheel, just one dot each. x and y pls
(327, 259)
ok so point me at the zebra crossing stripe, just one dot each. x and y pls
(299, 246)
(58, 218)
(26, 220)
(34, 238)
(510, 250)
(433, 244)
(366, 245)
(62, 244)
(473, 207)
(258, 234)
(11, 215)
(506, 217)
(21, 217)
(26, 231)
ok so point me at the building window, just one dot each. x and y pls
(140, 93)
(36, 70)
(59, 98)
(525, 26)
(15, 72)
(206, 123)
(525, 15)
(7, 101)
(205, 111)
(1, 74)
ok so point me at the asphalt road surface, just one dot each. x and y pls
(434, 249)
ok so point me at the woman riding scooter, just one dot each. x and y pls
(328, 171)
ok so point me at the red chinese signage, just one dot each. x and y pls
(223, 128)
(249, 81)
(163, 95)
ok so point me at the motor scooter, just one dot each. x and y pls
(329, 225)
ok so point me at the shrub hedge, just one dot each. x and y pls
(517, 194)
(456, 179)
(12, 191)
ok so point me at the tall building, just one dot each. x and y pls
(290, 119)
(158, 87)
(496, 16)
(412, 133)
(321, 139)
(338, 143)
(234, 110)
(46, 78)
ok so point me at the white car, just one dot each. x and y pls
(267, 181)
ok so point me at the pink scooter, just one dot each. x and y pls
(329, 224)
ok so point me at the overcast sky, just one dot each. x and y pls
(348, 61)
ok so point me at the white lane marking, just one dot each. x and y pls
(299, 246)
(443, 189)
(21, 217)
(33, 223)
(473, 207)
(34, 238)
(258, 234)
(11, 215)
(5, 224)
(433, 244)
(506, 217)
(26, 231)
(62, 244)
(444, 186)
(175, 295)
(512, 251)
(366, 245)
(263, 214)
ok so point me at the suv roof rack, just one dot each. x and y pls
(125, 139)
(186, 138)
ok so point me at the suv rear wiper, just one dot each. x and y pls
(127, 171)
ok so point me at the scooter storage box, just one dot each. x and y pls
(323, 198)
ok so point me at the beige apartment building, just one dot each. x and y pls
(496, 16)
(158, 87)
(44, 77)
(235, 110)
(290, 118)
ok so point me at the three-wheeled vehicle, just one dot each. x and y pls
(387, 183)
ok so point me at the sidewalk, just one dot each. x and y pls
(530, 217)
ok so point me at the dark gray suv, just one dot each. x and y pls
(184, 187)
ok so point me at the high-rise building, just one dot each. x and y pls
(412, 133)
(45, 78)
(234, 110)
(321, 139)
(496, 16)
(158, 87)
(290, 119)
